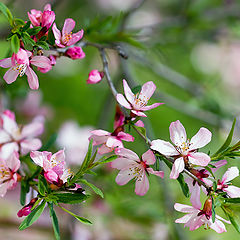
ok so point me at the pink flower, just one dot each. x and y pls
(66, 38)
(8, 173)
(203, 174)
(49, 67)
(75, 53)
(43, 19)
(225, 186)
(19, 64)
(109, 140)
(137, 103)
(54, 166)
(131, 166)
(95, 77)
(18, 138)
(195, 218)
(184, 150)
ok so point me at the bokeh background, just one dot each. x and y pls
(189, 49)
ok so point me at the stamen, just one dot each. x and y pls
(140, 100)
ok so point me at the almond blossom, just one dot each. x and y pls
(54, 166)
(75, 53)
(108, 140)
(137, 103)
(95, 77)
(184, 150)
(202, 174)
(18, 138)
(8, 173)
(131, 166)
(196, 217)
(20, 64)
(43, 19)
(66, 38)
(224, 185)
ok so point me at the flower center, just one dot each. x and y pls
(67, 37)
(140, 100)
(137, 171)
(5, 173)
(184, 147)
(21, 68)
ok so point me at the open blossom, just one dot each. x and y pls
(52, 59)
(20, 64)
(196, 217)
(184, 150)
(43, 19)
(95, 76)
(18, 138)
(108, 140)
(66, 38)
(202, 174)
(75, 53)
(8, 173)
(224, 185)
(54, 166)
(137, 103)
(131, 166)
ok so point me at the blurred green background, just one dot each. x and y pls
(189, 49)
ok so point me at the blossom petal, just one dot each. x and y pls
(230, 174)
(122, 101)
(124, 176)
(121, 163)
(145, 108)
(157, 173)
(33, 129)
(68, 26)
(6, 63)
(32, 78)
(3, 188)
(199, 158)
(232, 191)
(125, 136)
(13, 162)
(149, 157)
(177, 133)
(128, 92)
(148, 89)
(184, 208)
(41, 61)
(139, 113)
(28, 145)
(113, 142)
(127, 153)
(4, 136)
(104, 149)
(40, 157)
(218, 164)
(142, 185)
(56, 33)
(10, 76)
(218, 226)
(177, 168)
(184, 219)
(195, 196)
(75, 38)
(200, 139)
(163, 147)
(51, 176)
(8, 149)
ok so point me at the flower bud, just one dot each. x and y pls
(75, 53)
(95, 77)
(24, 211)
(48, 18)
(207, 208)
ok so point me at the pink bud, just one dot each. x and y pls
(75, 53)
(10, 114)
(24, 211)
(48, 18)
(94, 77)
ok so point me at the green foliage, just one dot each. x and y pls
(6, 12)
(42, 185)
(183, 185)
(54, 221)
(15, 43)
(69, 198)
(93, 187)
(232, 217)
(33, 216)
(24, 191)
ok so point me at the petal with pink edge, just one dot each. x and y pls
(128, 92)
(151, 106)
(33, 129)
(47, 7)
(230, 174)
(6, 63)
(13, 162)
(177, 168)
(195, 196)
(75, 38)
(7, 150)
(198, 158)
(28, 145)
(232, 191)
(51, 176)
(122, 101)
(68, 26)
(163, 147)
(177, 133)
(10, 76)
(32, 78)
(184, 208)
(3, 189)
(200, 139)
(59, 156)
(139, 113)
(184, 219)
(100, 132)
(4, 136)
(217, 226)
(124, 176)
(41, 61)
(121, 163)
(40, 157)
(142, 185)
(157, 173)
(218, 164)
(113, 142)
(149, 157)
(148, 89)
(56, 33)
(127, 153)
(104, 149)
(125, 136)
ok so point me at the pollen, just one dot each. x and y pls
(140, 100)
(68, 37)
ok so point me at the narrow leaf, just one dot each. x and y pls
(6, 12)
(15, 43)
(54, 221)
(70, 198)
(93, 187)
(183, 185)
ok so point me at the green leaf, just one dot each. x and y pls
(15, 43)
(24, 191)
(18, 22)
(183, 185)
(54, 221)
(214, 186)
(137, 89)
(93, 187)
(6, 12)
(231, 217)
(50, 142)
(26, 26)
(43, 45)
(70, 198)
(32, 217)
(105, 159)
(213, 210)
(228, 140)
(33, 31)
(27, 39)
(80, 219)
(232, 200)
(42, 185)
